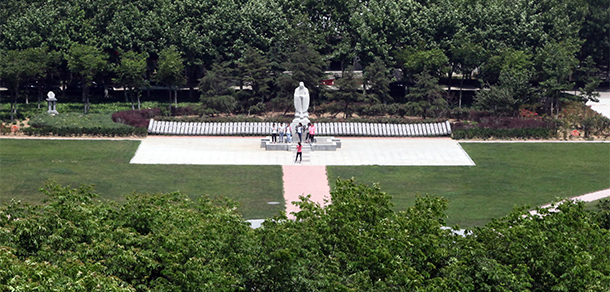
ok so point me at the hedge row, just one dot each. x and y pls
(485, 133)
(93, 131)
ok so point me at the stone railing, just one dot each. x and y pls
(325, 129)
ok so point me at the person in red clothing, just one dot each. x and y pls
(312, 132)
(299, 153)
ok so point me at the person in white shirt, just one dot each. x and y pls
(273, 133)
(288, 133)
(281, 130)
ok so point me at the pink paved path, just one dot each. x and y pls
(304, 180)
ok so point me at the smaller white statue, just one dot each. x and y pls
(301, 101)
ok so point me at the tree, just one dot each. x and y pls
(513, 60)
(466, 56)
(356, 243)
(557, 62)
(130, 73)
(505, 99)
(588, 92)
(415, 61)
(40, 61)
(254, 71)
(377, 81)
(14, 70)
(564, 250)
(171, 72)
(216, 91)
(88, 62)
(426, 97)
(347, 93)
(158, 242)
(307, 66)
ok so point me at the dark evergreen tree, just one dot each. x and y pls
(348, 91)
(377, 82)
(217, 96)
(426, 97)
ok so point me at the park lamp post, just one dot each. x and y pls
(52, 102)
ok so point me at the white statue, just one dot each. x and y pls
(301, 101)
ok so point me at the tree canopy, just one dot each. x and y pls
(169, 242)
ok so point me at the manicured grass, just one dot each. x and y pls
(506, 175)
(26, 164)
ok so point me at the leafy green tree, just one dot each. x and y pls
(509, 59)
(466, 56)
(415, 61)
(216, 92)
(551, 251)
(377, 81)
(171, 72)
(14, 70)
(87, 62)
(426, 97)
(348, 91)
(557, 61)
(131, 73)
(356, 243)
(505, 99)
(163, 242)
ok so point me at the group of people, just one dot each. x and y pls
(282, 130)
(311, 132)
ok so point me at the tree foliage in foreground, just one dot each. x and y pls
(168, 242)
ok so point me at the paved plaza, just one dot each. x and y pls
(247, 151)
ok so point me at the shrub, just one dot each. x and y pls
(458, 113)
(477, 115)
(91, 131)
(487, 133)
(75, 120)
(375, 110)
(136, 118)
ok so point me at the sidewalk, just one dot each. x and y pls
(302, 180)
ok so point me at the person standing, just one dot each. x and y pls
(273, 133)
(312, 132)
(299, 153)
(288, 133)
(281, 130)
(300, 132)
(307, 133)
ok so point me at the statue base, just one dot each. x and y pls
(304, 120)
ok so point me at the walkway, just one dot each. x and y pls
(584, 198)
(603, 106)
(302, 180)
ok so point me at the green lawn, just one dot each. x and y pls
(506, 175)
(26, 164)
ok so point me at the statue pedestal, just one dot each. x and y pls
(304, 120)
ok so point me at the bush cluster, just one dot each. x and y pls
(487, 133)
(169, 242)
(89, 131)
(75, 120)
(136, 118)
